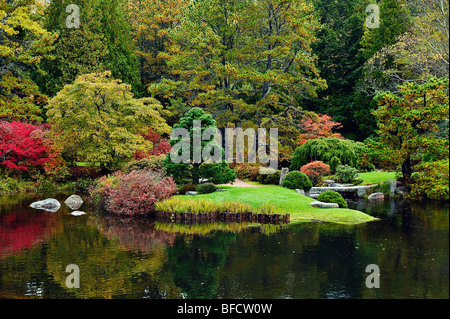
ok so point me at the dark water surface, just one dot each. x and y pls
(143, 259)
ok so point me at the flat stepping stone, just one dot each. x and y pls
(324, 205)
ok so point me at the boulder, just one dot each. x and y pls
(392, 186)
(330, 183)
(376, 196)
(50, 205)
(301, 191)
(192, 193)
(324, 205)
(77, 213)
(284, 172)
(74, 202)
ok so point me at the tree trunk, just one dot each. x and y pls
(407, 170)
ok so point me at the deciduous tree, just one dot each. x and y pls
(98, 121)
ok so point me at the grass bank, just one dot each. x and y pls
(288, 201)
(371, 178)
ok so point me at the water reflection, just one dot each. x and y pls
(126, 258)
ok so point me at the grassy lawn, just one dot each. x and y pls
(376, 177)
(370, 178)
(288, 201)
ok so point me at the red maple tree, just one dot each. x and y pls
(318, 126)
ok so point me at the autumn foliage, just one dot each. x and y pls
(315, 171)
(133, 194)
(23, 146)
(318, 126)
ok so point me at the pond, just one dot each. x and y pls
(142, 259)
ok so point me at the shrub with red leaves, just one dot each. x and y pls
(22, 146)
(315, 171)
(134, 193)
(160, 146)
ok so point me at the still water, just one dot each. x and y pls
(143, 259)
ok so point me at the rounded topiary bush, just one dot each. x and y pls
(269, 179)
(206, 188)
(297, 180)
(333, 197)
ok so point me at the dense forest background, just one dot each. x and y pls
(311, 68)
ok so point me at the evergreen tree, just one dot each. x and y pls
(340, 61)
(101, 43)
(394, 21)
(196, 167)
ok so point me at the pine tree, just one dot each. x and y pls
(340, 61)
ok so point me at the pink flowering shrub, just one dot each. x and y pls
(134, 193)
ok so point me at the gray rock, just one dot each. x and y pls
(330, 182)
(74, 202)
(392, 186)
(324, 205)
(301, 191)
(78, 213)
(284, 172)
(192, 193)
(50, 205)
(376, 196)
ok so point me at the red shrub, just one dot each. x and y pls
(134, 193)
(315, 171)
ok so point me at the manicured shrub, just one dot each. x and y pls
(187, 188)
(206, 188)
(346, 174)
(297, 180)
(333, 197)
(315, 171)
(134, 193)
(269, 179)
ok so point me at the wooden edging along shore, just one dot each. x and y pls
(214, 217)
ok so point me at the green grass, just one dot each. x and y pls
(288, 201)
(376, 177)
(371, 178)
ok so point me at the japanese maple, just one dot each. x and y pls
(23, 146)
(318, 126)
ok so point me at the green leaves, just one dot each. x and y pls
(408, 122)
(97, 120)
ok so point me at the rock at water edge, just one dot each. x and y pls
(50, 205)
(74, 202)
